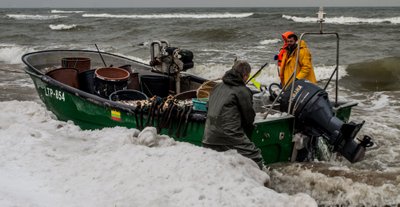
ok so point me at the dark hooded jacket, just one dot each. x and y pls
(230, 112)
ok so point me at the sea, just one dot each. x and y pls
(369, 72)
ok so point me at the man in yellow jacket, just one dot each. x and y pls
(305, 69)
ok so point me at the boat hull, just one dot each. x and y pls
(272, 135)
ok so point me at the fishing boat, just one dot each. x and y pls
(96, 89)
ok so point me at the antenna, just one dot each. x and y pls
(321, 17)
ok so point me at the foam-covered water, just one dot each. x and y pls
(34, 17)
(271, 41)
(345, 20)
(56, 11)
(172, 16)
(368, 74)
(62, 26)
(11, 54)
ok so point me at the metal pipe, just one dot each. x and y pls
(295, 73)
(255, 74)
(337, 71)
(178, 83)
(277, 97)
(102, 59)
(165, 42)
(152, 52)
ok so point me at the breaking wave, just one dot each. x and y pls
(54, 11)
(172, 15)
(138, 59)
(34, 17)
(62, 26)
(268, 75)
(345, 20)
(271, 41)
(376, 75)
(11, 54)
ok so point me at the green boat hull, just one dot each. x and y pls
(272, 135)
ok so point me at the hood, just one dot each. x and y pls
(303, 44)
(286, 35)
(233, 78)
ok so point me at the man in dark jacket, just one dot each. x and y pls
(231, 115)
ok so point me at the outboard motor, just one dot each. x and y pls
(184, 56)
(168, 59)
(315, 117)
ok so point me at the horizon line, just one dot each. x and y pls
(183, 7)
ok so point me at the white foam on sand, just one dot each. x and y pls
(172, 15)
(62, 26)
(45, 162)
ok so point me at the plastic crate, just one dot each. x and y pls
(200, 104)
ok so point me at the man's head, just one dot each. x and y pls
(242, 67)
(291, 40)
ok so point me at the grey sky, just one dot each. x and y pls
(192, 3)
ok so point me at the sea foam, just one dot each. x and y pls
(62, 26)
(54, 11)
(172, 15)
(270, 41)
(344, 20)
(54, 163)
(34, 17)
(11, 53)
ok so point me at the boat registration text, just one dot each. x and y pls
(53, 93)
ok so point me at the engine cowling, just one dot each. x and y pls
(185, 56)
(315, 117)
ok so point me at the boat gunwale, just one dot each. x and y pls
(79, 93)
(74, 91)
(31, 70)
(26, 62)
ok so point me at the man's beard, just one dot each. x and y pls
(291, 48)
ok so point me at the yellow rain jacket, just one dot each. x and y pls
(305, 69)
